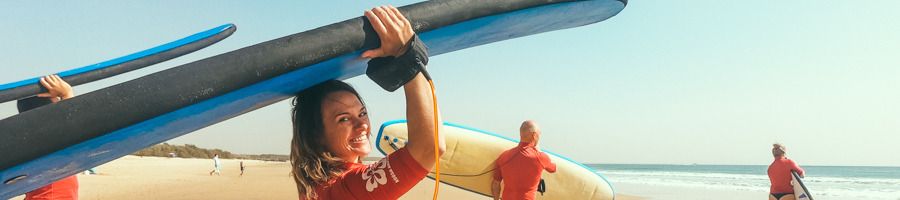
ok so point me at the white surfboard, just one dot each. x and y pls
(800, 191)
(468, 163)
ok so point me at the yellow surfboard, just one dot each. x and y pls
(468, 163)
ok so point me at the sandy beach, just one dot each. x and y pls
(137, 178)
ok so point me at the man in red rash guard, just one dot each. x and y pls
(520, 168)
(57, 90)
(780, 174)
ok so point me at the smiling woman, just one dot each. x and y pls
(332, 129)
(345, 114)
(311, 160)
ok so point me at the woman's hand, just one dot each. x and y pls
(57, 88)
(394, 30)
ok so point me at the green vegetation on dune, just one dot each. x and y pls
(192, 151)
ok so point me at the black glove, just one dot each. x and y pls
(393, 72)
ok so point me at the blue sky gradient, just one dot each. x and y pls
(671, 82)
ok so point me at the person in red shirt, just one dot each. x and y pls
(519, 168)
(780, 174)
(331, 129)
(57, 90)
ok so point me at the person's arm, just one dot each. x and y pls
(495, 189)
(547, 163)
(797, 168)
(395, 33)
(57, 88)
(420, 116)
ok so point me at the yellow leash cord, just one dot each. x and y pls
(437, 150)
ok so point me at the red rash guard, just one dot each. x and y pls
(780, 175)
(520, 169)
(66, 188)
(389, 178)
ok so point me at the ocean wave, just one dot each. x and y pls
(827, 187)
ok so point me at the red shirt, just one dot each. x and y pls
(520, 168)
(780, 175)
(389, 178)
(66, 188)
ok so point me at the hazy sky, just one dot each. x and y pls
(673, 82)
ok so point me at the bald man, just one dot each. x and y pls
(519, 168)
(780, 174)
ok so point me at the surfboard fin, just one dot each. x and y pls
(542, 187)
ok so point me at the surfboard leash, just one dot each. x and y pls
(437, 150)
(437, 126)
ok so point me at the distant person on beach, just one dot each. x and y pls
(242, 168)
(90, 171)
(780, 174)
(331, 128)
(218, 166)
(57, 90)
(520, 168)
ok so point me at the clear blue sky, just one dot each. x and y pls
(675, 82)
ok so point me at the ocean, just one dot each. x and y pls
(824, 182)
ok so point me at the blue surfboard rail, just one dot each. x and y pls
(15, 90)
(206, 111)
(402, 121)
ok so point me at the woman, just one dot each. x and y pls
(332, 130)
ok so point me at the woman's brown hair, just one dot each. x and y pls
(311, 163)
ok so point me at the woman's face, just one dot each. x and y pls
(346, 124)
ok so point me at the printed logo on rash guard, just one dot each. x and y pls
(375, 175)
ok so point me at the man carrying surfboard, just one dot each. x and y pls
(780, 174)
(519, 168)
(57, 90)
